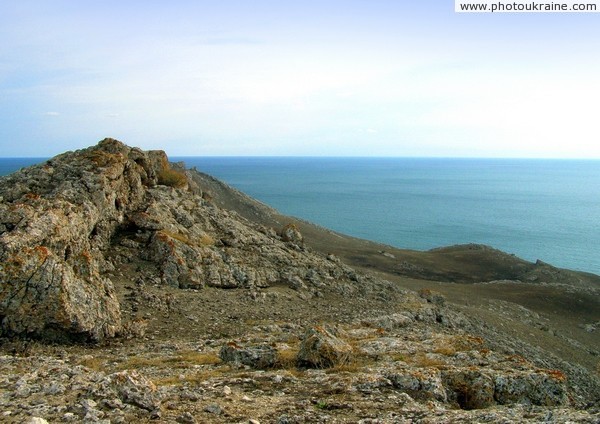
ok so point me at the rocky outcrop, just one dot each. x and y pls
(66, 223)
(57, 220)
(320, 348)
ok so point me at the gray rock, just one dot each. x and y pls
(131, 387)
(213, 408)
(545, 388)
(470, 389)
(60, 216)
(290, 233)
(186, 418)
(36, 420)
(321, 349)
(258, 357)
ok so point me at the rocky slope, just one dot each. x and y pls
(204, 305)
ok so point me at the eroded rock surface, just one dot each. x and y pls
(68, 221)
(57, 219)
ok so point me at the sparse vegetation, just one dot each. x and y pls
(286, 358)
(178, 236)
(96, 363)
(183, 360)
(172, 178)
(206, 240)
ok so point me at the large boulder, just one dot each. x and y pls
(55, 221)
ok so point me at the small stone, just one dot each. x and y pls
(246, 399)
(227, 391)
(88, 404)
(36, 420)
(213, 408)
(253, 421)
(113, 403)
(69, 416)
(186, 418)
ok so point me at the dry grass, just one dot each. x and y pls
(424, 360)
(286, 358)
(93, 362)
(446, 350)
(183, 360)
(178, 236)
(172, 178)
(206, 240)
(195, 378)
(198, 358)
(398, 357)
(464, 343)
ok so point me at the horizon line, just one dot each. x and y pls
(343, 157)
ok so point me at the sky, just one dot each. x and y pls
(289, 77)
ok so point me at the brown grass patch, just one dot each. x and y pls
(446, 350)
(206, 240)
(286, 359)
(93, 362)
(425, 361)
(195, 378)
(172, 178)
(183, 360)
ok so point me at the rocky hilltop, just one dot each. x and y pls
(135, 290)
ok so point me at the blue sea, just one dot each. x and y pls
(536, 209)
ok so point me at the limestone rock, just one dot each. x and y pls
(292, 234)
(425, 383)
(57, 218)
(321, 349)
(432, 296)
(258, 357)
(132, 388)
(67, 222)
(545, 388)
(470, 389)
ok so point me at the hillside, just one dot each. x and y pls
(135, 290)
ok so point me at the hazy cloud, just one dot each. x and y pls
(264, 77)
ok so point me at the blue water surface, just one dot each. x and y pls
(536, 209)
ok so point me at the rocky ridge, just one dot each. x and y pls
(207, 316)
